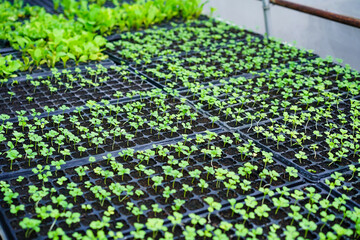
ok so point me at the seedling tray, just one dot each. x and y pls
(211, 65)
(179, 39)
(230, 160)
(73, 88)
(75, 162)
(318, 163)
(248, 100)
(279, 222)
(349, 185)
(81, 119)
(174, 58)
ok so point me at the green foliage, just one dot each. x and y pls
(8, 67)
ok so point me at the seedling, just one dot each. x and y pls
(203, 184)
(292, 172)
(301, 156)
(30, 225)
(12, 155)
(212, 206)
(186, 188)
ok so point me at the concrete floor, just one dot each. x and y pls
(323, 36)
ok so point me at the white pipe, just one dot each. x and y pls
(267, 17)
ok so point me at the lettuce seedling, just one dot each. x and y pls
(30, 225)
(15, 209)
(212, 206)
(12, 154)
(186, 188)
(175, 219)
(138, 234)
(157, 181)
(74, 190)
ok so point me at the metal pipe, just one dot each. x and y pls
(267, 16)
(355, 22)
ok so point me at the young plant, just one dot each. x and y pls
(57, 165)
(194, 174)
(186, 188)
(212, 206)
(175, 219)
(155, 225)
(292, 172)
(157, 181)
(74, 190)
(301, 156)
(42, 172)
(135, 210)
(167, 193)
(12, 155)
(203, 184)
(81, 171)
(30, 225)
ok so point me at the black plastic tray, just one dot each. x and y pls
(143, 136)
(195, 204)
(280, 218)
(125, 81)
(349, 182)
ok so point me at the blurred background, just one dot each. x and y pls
(323, 36)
